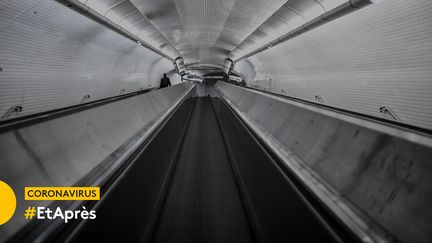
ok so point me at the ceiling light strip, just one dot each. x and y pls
(92, 14)
(337, 12)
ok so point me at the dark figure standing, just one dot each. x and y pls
(165, 81)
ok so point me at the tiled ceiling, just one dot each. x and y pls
(207, 31)
(200, 27)
(126, 16)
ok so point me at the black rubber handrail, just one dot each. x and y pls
(336, 227)
(66, 232)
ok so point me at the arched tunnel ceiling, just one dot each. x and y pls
(207, 31)
(199, 29)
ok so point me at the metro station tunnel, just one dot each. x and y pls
(216, 121)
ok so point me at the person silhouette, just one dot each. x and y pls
(165, 81)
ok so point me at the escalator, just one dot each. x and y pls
(204, 177)
(203, 203)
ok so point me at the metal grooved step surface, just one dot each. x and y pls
(203, 203)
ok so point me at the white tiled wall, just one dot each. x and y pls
(51, 57)
(380, 55)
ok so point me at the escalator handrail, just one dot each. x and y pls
(42, 231)
(323, 196)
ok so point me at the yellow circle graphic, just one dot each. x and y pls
(7, 202)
